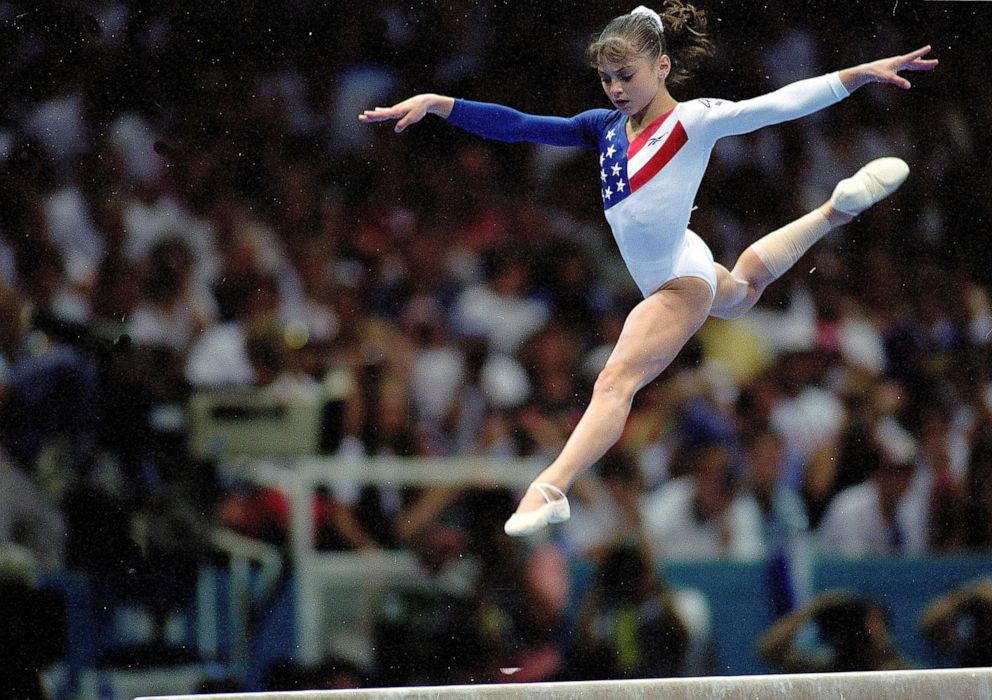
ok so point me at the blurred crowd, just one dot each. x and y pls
(188, 202)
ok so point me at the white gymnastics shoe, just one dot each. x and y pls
(554, 510)
(873, 183)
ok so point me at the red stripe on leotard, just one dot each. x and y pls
(660, 159)
(642, 138)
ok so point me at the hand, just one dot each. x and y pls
(409, 111)
(827, 600)
(886, 70)
(980, 589)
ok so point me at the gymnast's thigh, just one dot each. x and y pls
(695, 260)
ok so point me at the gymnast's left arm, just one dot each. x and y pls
(720, 118)
(886, 70)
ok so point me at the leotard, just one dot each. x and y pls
(648, 184)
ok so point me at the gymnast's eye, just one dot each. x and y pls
(623, 78)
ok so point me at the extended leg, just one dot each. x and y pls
(770, 257)
(654, 332)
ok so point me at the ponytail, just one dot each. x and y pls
(685, 37)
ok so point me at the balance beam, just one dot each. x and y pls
(972, 683)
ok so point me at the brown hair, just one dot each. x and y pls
(684, 39)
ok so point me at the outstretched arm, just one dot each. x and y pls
(720, 118)
(410, 111)
(941, 617)
(777, 648)
(886, 70)
(492, 120)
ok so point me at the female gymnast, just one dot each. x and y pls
(653, 151)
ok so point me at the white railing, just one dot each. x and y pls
(246, 592)
(335, 591)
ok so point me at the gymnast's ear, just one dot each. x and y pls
(664, 64)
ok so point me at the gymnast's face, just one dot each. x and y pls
(634, 82)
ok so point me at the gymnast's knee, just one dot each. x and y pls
(734, 297)
(729, 312)
(616, 381)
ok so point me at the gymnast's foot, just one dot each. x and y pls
(873, 183)
(554, 509)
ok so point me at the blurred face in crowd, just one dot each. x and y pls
(394, 407)
(764, 460)
(893, 482)
(712, 491)
(512, 279)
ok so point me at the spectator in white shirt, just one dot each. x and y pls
(878, 517)
(175, 308)
(500, 309)
(702, 515)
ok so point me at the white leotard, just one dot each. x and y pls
(648, 184)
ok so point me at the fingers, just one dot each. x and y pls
(893, 78)
(408, 112)
(379, 114)
(928, 64)
(915, 61)
(411, 116)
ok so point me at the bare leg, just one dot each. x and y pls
(659, 326)
(769, 257)
(739, 289)
(654, 332)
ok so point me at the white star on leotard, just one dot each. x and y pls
(608, 193)
(602, 158)
(610, 134)
(615, 168)
(602, 175)
(610, 151)
(620, 185)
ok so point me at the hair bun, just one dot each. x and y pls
(648, 12)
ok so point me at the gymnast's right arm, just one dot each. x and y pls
(410, 111)
(492, 121)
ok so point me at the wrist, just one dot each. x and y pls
(440, 105)
(853, 78)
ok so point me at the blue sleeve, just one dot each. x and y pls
(505, 124)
